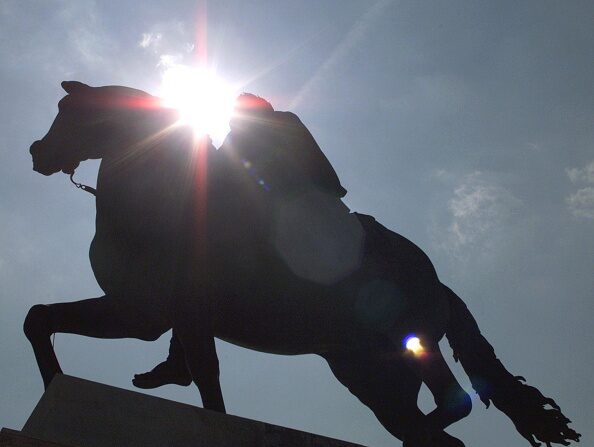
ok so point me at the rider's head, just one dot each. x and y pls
(248, 108)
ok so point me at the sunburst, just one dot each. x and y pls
(204, 100)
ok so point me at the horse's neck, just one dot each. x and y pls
(147, 155)
(145, 187)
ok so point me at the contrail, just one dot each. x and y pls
(285, 58)
(352, 38)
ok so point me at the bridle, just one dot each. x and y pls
(86, 188)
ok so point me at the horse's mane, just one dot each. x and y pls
(123, 121)
(114, 97)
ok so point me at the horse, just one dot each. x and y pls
(179, 244)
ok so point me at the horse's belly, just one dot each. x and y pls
(263, 338)
(296, 319)
(395, 292)
(269, 345)
(263, 330)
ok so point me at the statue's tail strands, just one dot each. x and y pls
(535, 416)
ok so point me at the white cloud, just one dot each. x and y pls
(478, 212)
(581, 202)
(583, 175)
(86, 33)
(70, 39)
(170, 42)
(150, 40)
(170, 60)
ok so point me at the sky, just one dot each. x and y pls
(465, 126)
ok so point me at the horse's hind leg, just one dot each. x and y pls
(106, 317)
(453, 403)
(385, 384)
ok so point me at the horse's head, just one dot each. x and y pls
(92, 121)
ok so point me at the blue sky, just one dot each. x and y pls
(466, 126)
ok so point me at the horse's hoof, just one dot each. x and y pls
(37, 322)
(164, 373)
(445, 440)
(440, 439)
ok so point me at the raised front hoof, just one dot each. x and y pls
(37, 322)
(165, 373)
(440, 439)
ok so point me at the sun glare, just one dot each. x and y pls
(204, 100)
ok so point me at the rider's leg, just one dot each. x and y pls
(106, 317)
(173, 371)
(453, 403)
(192, 323)
(385, 384)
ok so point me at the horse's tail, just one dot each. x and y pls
(523, 404)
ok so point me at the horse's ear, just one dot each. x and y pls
(73, 86)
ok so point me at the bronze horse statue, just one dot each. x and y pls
(179, 244)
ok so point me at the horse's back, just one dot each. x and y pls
(397, 286)
(394, 291)
(392, 252)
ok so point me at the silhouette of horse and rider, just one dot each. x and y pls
(252, 244)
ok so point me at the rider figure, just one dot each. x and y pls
(277, 148)
(271, 154)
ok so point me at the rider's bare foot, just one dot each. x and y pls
(165, 373)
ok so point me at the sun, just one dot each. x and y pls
(204, 100)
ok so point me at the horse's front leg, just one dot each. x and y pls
(106, 317)
(193, 325)
(38, 330)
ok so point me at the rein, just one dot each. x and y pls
(86, 188)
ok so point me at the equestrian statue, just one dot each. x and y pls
(252, 244)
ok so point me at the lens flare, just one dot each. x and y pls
(413, 344)
(204, 100)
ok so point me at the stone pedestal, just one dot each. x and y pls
(78, 413)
